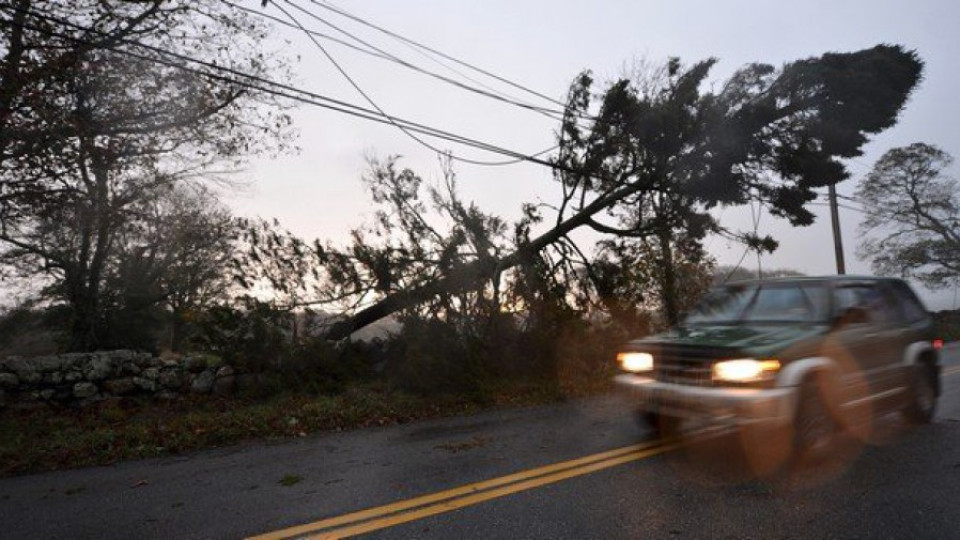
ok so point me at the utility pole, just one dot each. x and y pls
(835, 220)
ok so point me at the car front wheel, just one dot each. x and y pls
(816, 430)
(660, 424)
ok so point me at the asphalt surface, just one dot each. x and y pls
(902, 482)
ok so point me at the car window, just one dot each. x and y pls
(780, 304)
(884, 305)
(873, 304)
(766, 302)
(844, 298)
(910, 307)
(819, 297)
(723, 304)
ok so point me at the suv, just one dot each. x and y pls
(814, 354)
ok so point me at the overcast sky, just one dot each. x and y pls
(543, 45)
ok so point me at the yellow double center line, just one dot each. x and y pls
(396, 513)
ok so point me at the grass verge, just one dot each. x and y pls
(47, 439)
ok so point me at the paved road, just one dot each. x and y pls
(573, 470)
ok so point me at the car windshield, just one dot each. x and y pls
(763, 302)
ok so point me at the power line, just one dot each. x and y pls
(737, 267)
(427, 55)
(330, 7)
(278, 20)
(289, 92)
(373, 103)
(372, 50)
(861, 163)
(847, 198)
(851, 199)
(714, 235)
(844, 206)
(451, 68)
(756, 229)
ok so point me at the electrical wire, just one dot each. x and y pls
(746, 250)
(372, 50)
(277, 20)
(844, 206)
(756, 232)
(290, 92)
(330, 7)
(433, 58)
(755, 219)
(380, 53)
(374, 104)
(714, 235)
(851, 199)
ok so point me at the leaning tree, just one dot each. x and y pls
(649, 161)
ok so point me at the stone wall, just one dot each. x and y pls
(83, 378)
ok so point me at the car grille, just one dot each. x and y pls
(690, 367)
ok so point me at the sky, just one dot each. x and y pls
(542, 45)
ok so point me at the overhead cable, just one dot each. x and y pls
(344, 13)
(372, 50)
(374, 104)
(255, 82)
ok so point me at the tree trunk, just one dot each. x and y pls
(83, 324)
(177, 324)
(11, 83)
(671, 309)
(475, 273)
(94, 228)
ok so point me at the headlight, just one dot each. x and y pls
(635, 361)
(745, 370)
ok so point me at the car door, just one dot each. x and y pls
(890, 336)
(914, 325)
(864, 316)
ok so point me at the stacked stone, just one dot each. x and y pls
(84, 378)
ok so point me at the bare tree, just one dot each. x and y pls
(912, 219)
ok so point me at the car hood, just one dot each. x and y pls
(759, 339)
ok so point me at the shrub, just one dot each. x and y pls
(251, 336)
(319, 366)
(30, 331)
(432, 358)
(132, 327)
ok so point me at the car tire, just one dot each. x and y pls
(816, 430)
(660, 424)
(923, 396)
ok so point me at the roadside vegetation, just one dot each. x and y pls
(307, 385)
(44, 439)
(948, 324)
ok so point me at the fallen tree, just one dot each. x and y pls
(649, 161)
(471, 275)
